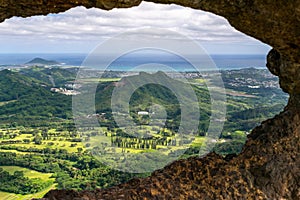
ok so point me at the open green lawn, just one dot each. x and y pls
(27, 172)
(14, 151)
(96, 80)
(9, 196)
(199, 141)
(23, 136)
(201, 81)
(57, 145)
(12, 196)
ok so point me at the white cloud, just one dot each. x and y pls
(86, 25)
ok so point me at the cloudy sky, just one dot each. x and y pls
(80, 30)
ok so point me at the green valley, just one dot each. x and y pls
(38, 137)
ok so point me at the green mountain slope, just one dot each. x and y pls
(23, 97)
(51, 76)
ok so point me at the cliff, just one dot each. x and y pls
(268, 167)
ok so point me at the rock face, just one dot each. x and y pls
(269, 166)
(25, 8)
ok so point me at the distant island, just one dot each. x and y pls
(41, 61)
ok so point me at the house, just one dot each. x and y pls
(143, 113)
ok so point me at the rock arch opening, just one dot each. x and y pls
(268, 166)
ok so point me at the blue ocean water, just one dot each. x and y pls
(127, 62)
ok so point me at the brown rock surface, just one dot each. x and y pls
(268, 167)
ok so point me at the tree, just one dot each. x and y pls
(79, 149)
(45, 134)
(27, 141)
(37, 139)
(18, 174)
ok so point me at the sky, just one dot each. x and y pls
(80, 30)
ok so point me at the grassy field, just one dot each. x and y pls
(14, 151)
(198, 81)
(30, 174)
(57, 145)
(56, 142)
(27, 172)
(11, 196)
(96, 80)
(101, 140)
(199, 141)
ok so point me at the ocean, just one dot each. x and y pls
(127, 62)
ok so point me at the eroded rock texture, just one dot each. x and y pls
(269, 166)
(26, 8)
